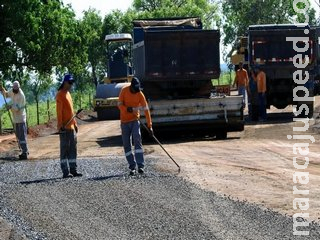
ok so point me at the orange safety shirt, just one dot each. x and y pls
(242, 78)
(64, 106)
(135, 100)
(261, 82)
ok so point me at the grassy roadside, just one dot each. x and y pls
(47, 110)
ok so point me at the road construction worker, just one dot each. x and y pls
(241, 80)
(262, 88)
(68, 129)
(131, 101)
(17, 107)
(253, 105)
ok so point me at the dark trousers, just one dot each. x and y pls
(68, 152)
(262, 106)
(253, 106)
(21, 133)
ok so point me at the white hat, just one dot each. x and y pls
(16, 85)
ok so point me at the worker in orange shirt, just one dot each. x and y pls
(131, 101)
(241, 80)
(68, 129)
(262, 88)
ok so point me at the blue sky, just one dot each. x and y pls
(1, 100)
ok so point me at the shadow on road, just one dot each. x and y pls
(274, 118)
(41, 181)
(111, 141)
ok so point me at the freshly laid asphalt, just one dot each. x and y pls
(106, 203)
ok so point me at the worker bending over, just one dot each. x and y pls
(131, 101)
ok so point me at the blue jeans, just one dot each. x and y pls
(262, 106)
(21, 133)
(68, 151)
(132, 130)
(242, 91)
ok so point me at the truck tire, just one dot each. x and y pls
(222, 135)
(109, 91)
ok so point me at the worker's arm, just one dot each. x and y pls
(121, 105)
(247, 79)
(146, 109)
(59, 107)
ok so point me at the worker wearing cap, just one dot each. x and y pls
(17, 107)
(242, 81)
(67, 126)
(131, 101)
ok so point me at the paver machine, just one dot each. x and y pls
(119, 74)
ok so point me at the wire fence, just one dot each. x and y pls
(46, 112)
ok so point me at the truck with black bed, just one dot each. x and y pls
(176, 60)
(278, 49)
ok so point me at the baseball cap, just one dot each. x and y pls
(16, 85)
(68, 78)
(135, 84)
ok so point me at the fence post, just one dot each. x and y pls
(48, 109)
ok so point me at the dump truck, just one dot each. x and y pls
(176, 60)
(270, 47)
(119, 74)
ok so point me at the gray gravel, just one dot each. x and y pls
(108, 204)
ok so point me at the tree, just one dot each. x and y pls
(239, 14)
(39, 84)
(204, 9)
(93, 41)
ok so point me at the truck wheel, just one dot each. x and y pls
(221, 135)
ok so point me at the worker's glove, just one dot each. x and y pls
(129, 109)
(76, 128)
(8, 107)
(151, 131)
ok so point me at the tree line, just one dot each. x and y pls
(40, 40)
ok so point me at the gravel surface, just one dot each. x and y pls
(106, 203)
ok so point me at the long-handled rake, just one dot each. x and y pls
(74, 115)
(13, 126)
(154, 137)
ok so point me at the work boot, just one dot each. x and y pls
(132, 172)
(76, 174)
(141, 170)
(69, 175)
(23, 156)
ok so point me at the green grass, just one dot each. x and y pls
(224, 79)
